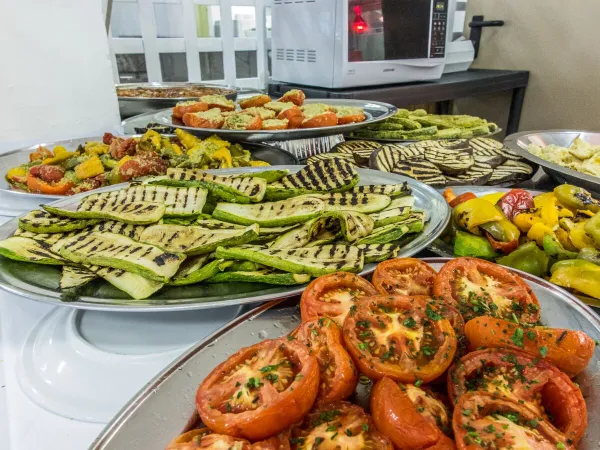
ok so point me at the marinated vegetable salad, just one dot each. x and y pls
(189, 227)
(435, 382)
(555, 235)
(117, 159)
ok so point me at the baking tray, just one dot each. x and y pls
(164, 408)
(374, 111)
(14, 202)
(132, 106)
(519, 142)
(40, 282)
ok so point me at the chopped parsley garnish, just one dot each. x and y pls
(543, 351)
(363, 323)
(560, 446)
(253, 383)
(273, 377)
(269, 368)
(431, 313)
(363, 346)
(348, 432)
(517, 337)
(531, 335)
(409, 323)
(419, 382)
(365, 427)
(427, 350)
(467, 412)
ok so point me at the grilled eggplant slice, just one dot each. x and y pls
(197, 269)
(120, 252)
(487, 147)
(137, 286)
(272, 214)
(315, 261)
(387, 156)
(348, 158)
(478, 174)
(421, 170)
(511, 171)
(449, 161)
(135, 213)
(196, 240)
(228, 188)
(180, 202)
(391, 190)
(73, 276)
(391, 216)
(491, 160)
(351, 201)
(261, 276)
(321, 177)
(361, 156)
(20, 248)
(379, 252)
(39, 221)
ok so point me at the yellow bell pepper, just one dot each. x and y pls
(538, 231)
(60, 154)
(493, 198)
(583, 276)
(89, 168)
(546, 203)
(123, 160)
(96, 148)
(472, 213)
(17, 174)
(525, 220)
(565, 241)
(187, 140)
(224, 156)
(259, 163)
(579, 237)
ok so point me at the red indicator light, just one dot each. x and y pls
(359, 25)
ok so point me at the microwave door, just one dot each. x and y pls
(383, 30)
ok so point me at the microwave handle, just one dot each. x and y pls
(476, 24)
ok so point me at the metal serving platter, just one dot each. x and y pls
(40, 282)
(409, 141)
(375, 112)
(519, 143)
(14, 202)
(132, 106)
(164, 408)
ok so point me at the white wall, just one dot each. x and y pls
(55, 73)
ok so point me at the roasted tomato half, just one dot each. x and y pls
(202, 438)
(260, 390)
(338, 425)
(413, 418)
(404, 276)
(401, 337)
(338, 373)
(481, 421)
(569, 350)
(482, 288)
(518, 376)
(334, 296)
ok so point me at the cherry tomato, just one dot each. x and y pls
(48, 173)
(338, 425)
(569, 350)
(202, 438)
(514, 202)
(412, 418)
(338, 373)
(401, 337)
(518, 376)
(334, 296)
(481, 288)
(481, 421)
(404, 276)
(260, 390)
(461, 199)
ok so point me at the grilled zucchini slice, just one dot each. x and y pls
(213, 224)
(379, 252)
(351, 225)
(315, 261)
(261, 276)
(20, 248)
(391, 216)
(135, 213)
(391, 190)
(351, 201)
(271, 214)
(136, 286)
(196, 240)
(321, 177)
(268, 175)
(401, 202)
(385, 234)
(110, 226)
(197, 269)
(229, 188)
(120, 252)
(73, 276)
(180, 202)
(294, 238)
(38, 221)
(49, 239)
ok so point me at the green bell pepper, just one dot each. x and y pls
(574, 197)
(554, 248)
(592, 228)
(528, 258)
(466, 244)
(502, 230)
(589, 254)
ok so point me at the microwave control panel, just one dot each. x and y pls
(439, 18)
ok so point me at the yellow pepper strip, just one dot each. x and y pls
(188, 140)
(123, 160)
(259, 163)
(525, 220)
(579, 237)
(582, 276)
(16, 173)
(538, 231)
(547, 206)
(565, 241)
(96, 148)
(224, 156)
(472, 213)
(564, 212)
(493, 198)
(89, 168)
(60, 154)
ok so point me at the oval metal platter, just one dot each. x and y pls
(164, 408)
(40, 282)
(132, 106)
(438, 246)
(408, 141)
(375, 112)
(520, 142)
(14, 202)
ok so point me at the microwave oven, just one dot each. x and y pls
(345, 43)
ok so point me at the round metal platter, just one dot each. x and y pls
(438, 246)
(132, 106)
(14, 202)
(375, 112)
(520, 142)
(409, 141)
(40, 282)
(170, 395)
